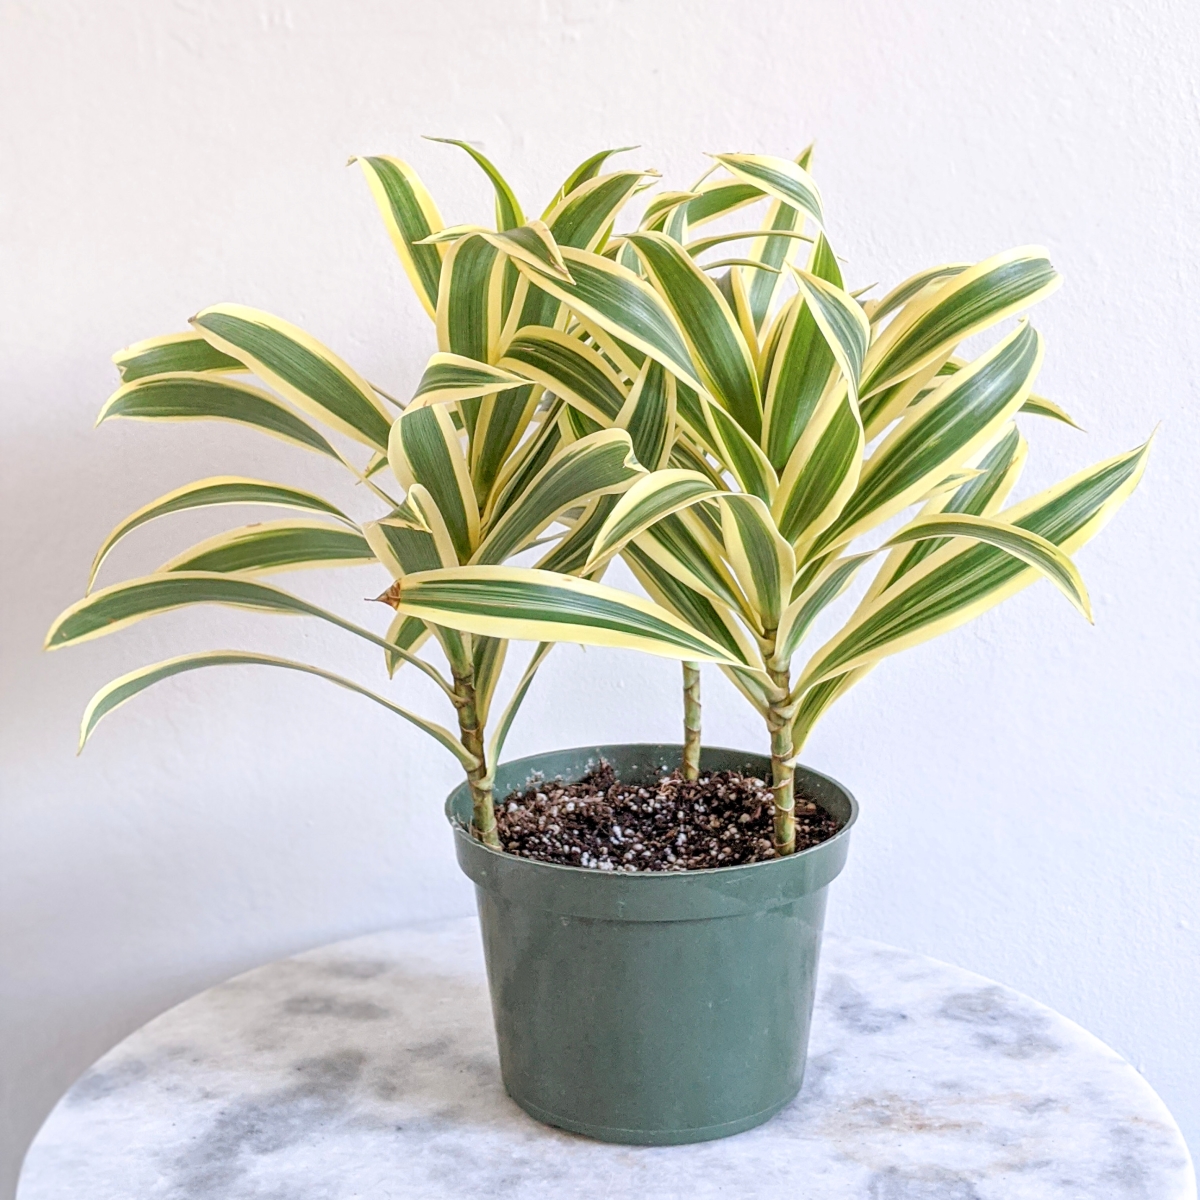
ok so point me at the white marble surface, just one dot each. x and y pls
(368, 1069)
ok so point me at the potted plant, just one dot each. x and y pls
(739, 431)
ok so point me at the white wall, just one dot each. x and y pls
(1029, 784)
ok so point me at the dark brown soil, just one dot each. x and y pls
(722, 819)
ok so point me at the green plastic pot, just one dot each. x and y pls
(654, 1008)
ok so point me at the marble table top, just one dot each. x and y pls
(368, 1069)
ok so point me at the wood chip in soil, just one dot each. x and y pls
(722, 819)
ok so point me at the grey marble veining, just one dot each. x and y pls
(368, 1069)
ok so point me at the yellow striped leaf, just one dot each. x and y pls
(569, 369)
(208, 493)
(113, 608)
(115, 694)
(584, 173)
(534, 245)
(648, 415)
(823, 470)
(939, 435)
(959, 582)
(777, 177)
(597, 464)
(714, 341)
(170, 354)
(189, 396)
(275, 546)
(298, 366)
(931, 324)
(841, 321)
(470, 304)
(797, 364)
(712, 618)
(646, 502)
(762, 561)
(524, 603)
(410, 216)
(450, 377)
(614, 298)
(424, 448)
(1000, 468)
(915, 284)
(508, 209)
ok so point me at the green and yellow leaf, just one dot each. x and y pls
(170, 354)
(597, 464)
(714, 340)
(120, 690)
(521, 602)
(208, 493)
(192, 396)
(646, 502)
(940, 434)
(410, 216)
(779, 178)
(932, 323)
(960, 581)
(450, 377)
(296, 365)
(424, 448)
(508, 209)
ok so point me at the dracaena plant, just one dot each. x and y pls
(491, 462)
(803, 425)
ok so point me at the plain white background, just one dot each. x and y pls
(1029, 784)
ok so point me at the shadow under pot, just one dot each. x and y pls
(660, 1007)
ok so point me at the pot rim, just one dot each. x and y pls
(460, 827)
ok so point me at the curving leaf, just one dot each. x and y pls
(823, 470)
(797, 364)
(1029, 547)
(1000, 467)
(841, 321)
(190, 396)
(569, 369)
(532, 244)
(762, 560)
(424, 448)
(902, 293)
(410, 216)
(300, 368)
(613, 297)
(521, 602)
(932, 323)
(957, 583)
(597, 464)
(450, 377)
(208, 493)
(648, 415)
(646, 502)
(714, 341)
(940, 434)
(777, 177)
(584, 173)
(115, 694)
(170, 354)
(508, 209)
(275, 546)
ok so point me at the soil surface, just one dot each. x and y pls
(723, 819)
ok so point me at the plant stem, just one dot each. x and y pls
(779, 722)
(691, 720)
(483, 815)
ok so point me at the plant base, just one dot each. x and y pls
(655, 1008)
